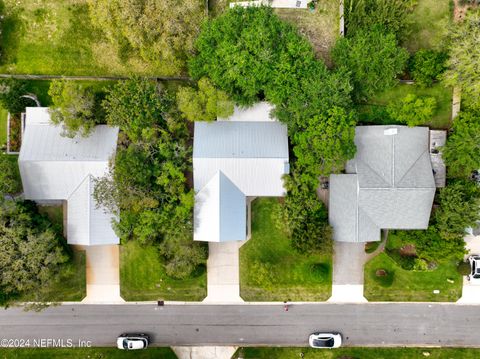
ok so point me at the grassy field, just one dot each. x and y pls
(428, 25)
(414, 286)
(57, 37)
(359, 353)
(320, 27)
(142, 277)
(443, 96)
(84, 353)
(270, 270)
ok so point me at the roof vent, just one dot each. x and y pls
(390, 132)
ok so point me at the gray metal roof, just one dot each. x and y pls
(394, 186)
(236, 139)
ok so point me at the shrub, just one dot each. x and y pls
(413, 110)
(427, 66)
(420, 265)
(374, 59)
(385, 279)
(463, 268)
(10, 182)
(11, 92)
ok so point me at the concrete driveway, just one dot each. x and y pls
(223, 277)
(470, 292)
(103, 274)
(348, 262)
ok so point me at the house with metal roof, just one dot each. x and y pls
(389, 184)
(55, 169)
(234, 161)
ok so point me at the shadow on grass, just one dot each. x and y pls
(11, 32)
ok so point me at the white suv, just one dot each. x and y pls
(474, 276)
(133, 341)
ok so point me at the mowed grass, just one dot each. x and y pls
(270, 269)
(143, 277)
(443, 96)
(359, 353)
(84, 353)
(428, 25)
(413, 286)
(57, 37)
(320, 27)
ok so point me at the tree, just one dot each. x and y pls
(427, 66)
(325, 144)
(31, 253)
(462, 150)
(205, 104)
(459, 208)
(73, 107)
(464, 61)
(365, 14)
(250, 53)
(10, 182)
(373, 58)
(412, 110)
(11, 92)
(162, 32)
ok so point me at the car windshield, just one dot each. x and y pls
(324, 343)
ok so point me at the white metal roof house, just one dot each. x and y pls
(57, 168)
(389, 184)
(232, 160)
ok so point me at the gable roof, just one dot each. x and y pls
(390, 186)
(54, 167)
(220, 211)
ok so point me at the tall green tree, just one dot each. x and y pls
(205, 104)
(412, 110)
(462, 150)
(464, 61)
(10, 182)
(11, 92)
(74, 107)
(162, 32)
(374, 59)
(325, 144)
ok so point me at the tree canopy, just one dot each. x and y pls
(374, 59)
(412, 110)
(74, 107)
(427, 66)
(464, 61)
(205, 104)
(162, 32)
(462, 150)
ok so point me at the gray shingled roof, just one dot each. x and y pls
(389, 184)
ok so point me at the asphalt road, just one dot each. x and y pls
(370, 324)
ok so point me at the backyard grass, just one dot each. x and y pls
(413, 286)
(320, 27)
(270, 270)
(143, 277)
(428, 25)
(57, 37)
(83, 353)
(359, 353)
(443, 96)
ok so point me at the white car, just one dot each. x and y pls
(133, 341)
(325, 340)
(474, 276)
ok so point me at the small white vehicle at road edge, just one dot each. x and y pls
(474, 276)
(325, 340)
(133, 341)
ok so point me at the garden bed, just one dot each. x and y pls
(14, 133)
(271, 270)
(143, 277)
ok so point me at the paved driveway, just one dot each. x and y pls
(348, 262)
(103, 274)
(471, 292)
(223, 277)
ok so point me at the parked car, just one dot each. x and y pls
(474, 276)
(325, 340)
(133, 341)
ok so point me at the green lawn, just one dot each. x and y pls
(57, 37)
(359, 353)
(428, 25)
(443, 96)
(84, 353)
(320, 27)
(143, 277)
(270, 270)
(415, 286)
